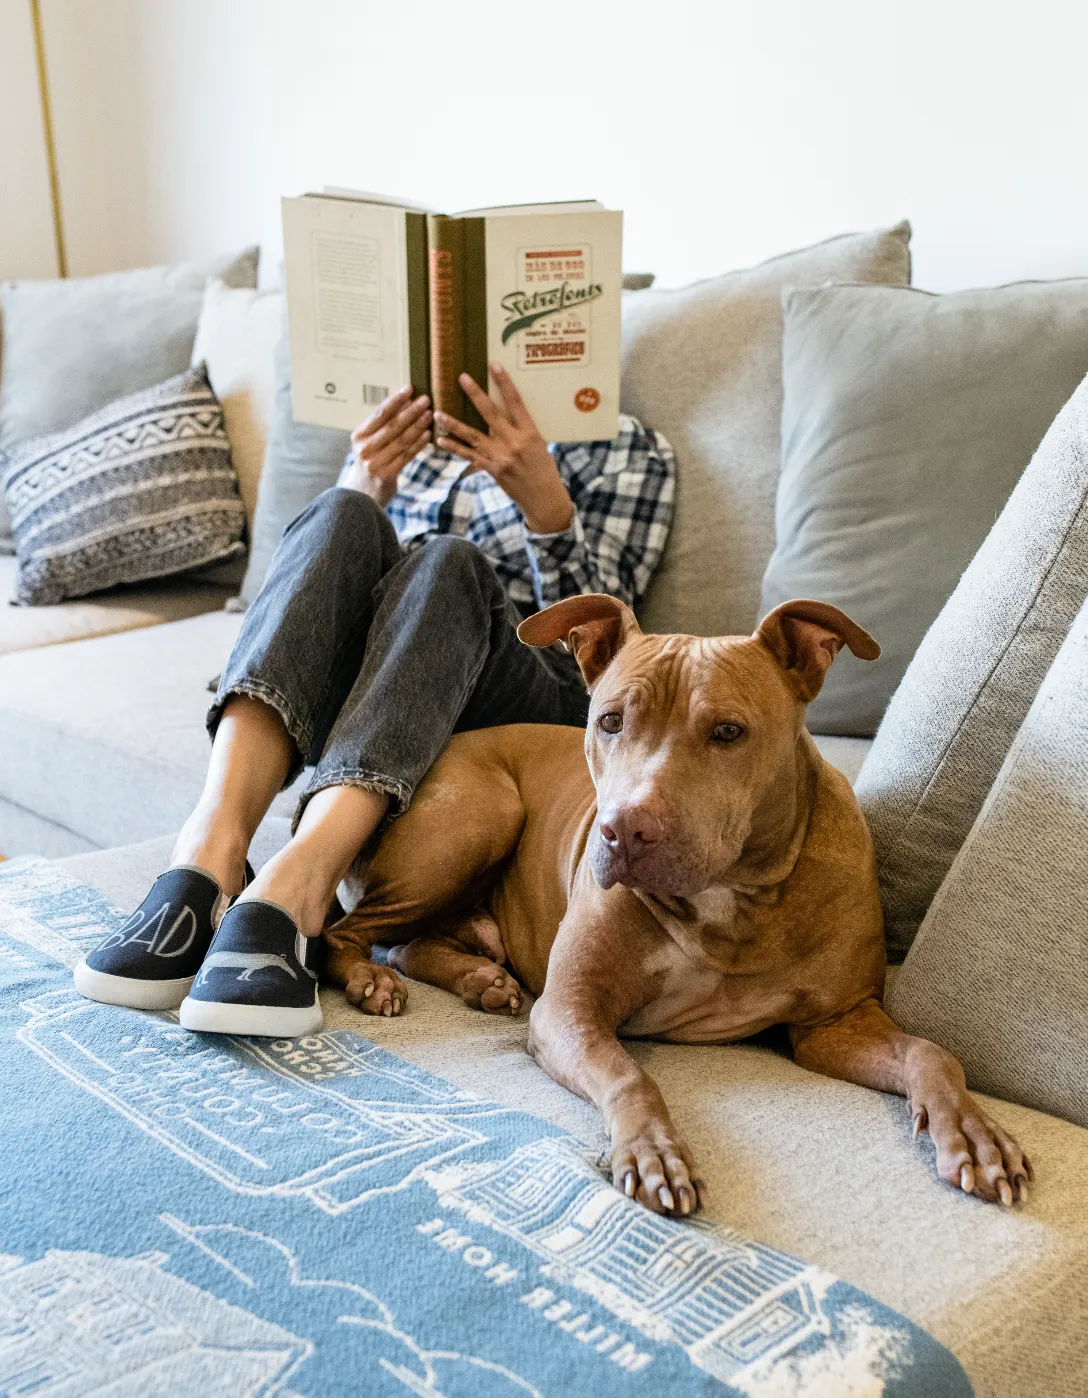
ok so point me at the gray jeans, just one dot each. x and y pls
(373, 655)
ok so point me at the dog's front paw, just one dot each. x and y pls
(974, 1153)
(489, 988)
(376, 989)
(651, 1164)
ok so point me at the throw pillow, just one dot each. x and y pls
(907, 420)
(300, 462)
(999, 971)
(72, 346)
(703, 366)
(144, 488)
(236, 339)
(973, 678)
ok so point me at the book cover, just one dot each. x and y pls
(356, 306)
(380, 294)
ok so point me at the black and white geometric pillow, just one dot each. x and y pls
(143, 488)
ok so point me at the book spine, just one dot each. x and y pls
(474, 302)
(446, 313)
(419, 335)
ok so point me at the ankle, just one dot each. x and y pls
(211, 844)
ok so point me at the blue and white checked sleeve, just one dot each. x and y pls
(623, 493)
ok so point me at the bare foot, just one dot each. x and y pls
(489, 988)
(290, 881)
(376, 989)
(222, 853)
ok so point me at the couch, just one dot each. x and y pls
(102, 754)
(104, 746)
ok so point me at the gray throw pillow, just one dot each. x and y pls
(999, 971)
(966, 692)
(144, 488)
(73, 346)
(907, 419)
(703, 365)
(300, 462)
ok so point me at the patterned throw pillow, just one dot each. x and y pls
(143, 488)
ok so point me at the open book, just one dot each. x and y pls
(382, 293)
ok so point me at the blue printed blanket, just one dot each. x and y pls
(197, 1215)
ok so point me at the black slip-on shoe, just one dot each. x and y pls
(254, 979)
(150, 962)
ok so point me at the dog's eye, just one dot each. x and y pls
(610, 722)
(727, 732)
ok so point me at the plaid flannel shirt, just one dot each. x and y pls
(623, 503)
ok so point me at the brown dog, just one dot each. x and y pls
(707, 876)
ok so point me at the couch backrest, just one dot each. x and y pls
(703, 365)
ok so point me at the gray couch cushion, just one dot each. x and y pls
(907, 420)
(106, 737)
(999, 970)
(967, 690)
(71, 346)
(124, 609)
(823, 1169)
(703, 365)
(300, 461)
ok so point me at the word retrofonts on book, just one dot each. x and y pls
(381, 293)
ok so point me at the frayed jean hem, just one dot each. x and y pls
(257, 689)
(399, 792)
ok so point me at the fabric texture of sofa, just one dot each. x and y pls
(822, 1169)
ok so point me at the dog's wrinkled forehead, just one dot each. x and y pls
(669, 673)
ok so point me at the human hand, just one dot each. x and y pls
(383, 445)
(512, 451)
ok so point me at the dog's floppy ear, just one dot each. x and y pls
(594, 627)
(805, 638)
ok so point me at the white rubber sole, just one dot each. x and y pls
(266, 1021)
(125, 990)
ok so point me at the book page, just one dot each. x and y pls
(366, 196)
(553, 317)
(345, 265)
(571, 206)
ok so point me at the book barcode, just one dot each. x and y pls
(374, 393)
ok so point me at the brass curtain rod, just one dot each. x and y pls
(47, 128)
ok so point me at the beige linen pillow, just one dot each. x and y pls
(236, 338)
(972, 680)
(999, 971)
(703, 365)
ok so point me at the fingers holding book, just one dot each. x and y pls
(381, 447)
(512, 451)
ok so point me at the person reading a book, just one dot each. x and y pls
(386, 623)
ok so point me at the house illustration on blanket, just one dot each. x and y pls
(729, 1304)
(82, 1322)
(333, 1120)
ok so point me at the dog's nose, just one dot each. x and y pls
(630, 830)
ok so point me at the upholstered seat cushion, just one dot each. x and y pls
(106, 738)
(123, 609)
(824, 1170)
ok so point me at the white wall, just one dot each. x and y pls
(726, 131)
(27, 244)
